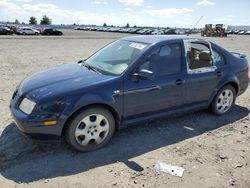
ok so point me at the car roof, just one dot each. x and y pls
(152, 39)
(25, 28)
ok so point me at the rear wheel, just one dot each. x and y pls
(90, 129)
(224, 100)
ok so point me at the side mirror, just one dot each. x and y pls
(143, 74)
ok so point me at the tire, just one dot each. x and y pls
(85, 133)
(224, 100)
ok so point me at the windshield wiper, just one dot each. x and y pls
(90, 67)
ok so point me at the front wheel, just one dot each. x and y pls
(224, 100)
(90, 129)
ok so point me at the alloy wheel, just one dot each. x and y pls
(92, 130)
(225, 101)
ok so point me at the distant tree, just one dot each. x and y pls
(104, 25)
(127, 25)
(17, 22)
(135, 26)
(45, 20)
(32, 21)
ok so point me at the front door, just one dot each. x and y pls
(166, 90)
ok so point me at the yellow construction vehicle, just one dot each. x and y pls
(218, 31)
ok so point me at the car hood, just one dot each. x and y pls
(59, 80)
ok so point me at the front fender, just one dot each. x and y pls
(103, 97)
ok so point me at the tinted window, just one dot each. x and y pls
(199, 55)
(165, 60)
(218, 59)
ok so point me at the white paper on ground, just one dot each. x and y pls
(170, 169)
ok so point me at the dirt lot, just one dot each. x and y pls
(214, 151)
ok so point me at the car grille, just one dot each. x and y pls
(14, 95)
(16, 99)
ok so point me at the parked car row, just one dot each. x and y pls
(238, 32)
(10, 30)
(143, 31)
(6, 31)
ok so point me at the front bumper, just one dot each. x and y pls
(32, 128)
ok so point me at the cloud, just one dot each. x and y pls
(6, 5)
(149, 6)
(10, 11)
(205, 3)
(168, 12)
(100, 2)
(21, 1)
(128, 9)
(24, 1)
(132, 2)
(41, 7)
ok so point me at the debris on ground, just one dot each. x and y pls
(238, 165)
(170, 169)
(222, 156)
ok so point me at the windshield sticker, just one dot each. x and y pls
(138, 46)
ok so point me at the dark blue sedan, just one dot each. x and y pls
(131, 80)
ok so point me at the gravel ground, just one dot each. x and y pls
(214, 151)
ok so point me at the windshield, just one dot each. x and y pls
(116, 57)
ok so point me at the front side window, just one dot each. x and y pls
(165, 60)
(199, 55)
(116, 57)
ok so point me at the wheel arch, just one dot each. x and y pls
(232, 83)
(101, 105)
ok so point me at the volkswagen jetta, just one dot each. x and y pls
(131, 80)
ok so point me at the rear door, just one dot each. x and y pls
(202, 74)
(29, 31)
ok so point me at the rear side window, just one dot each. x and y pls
(199, 55)
(165, 60)
(219, 59)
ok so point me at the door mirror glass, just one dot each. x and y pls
(143, 74)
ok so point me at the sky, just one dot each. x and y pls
(158, 13)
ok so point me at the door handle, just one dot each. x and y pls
(179, 82)
(219, 73)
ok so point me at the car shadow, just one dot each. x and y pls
(23, 160)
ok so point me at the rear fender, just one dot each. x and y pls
(233, 80)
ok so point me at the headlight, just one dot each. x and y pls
(27, 106)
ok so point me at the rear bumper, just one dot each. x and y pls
(244, 83)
